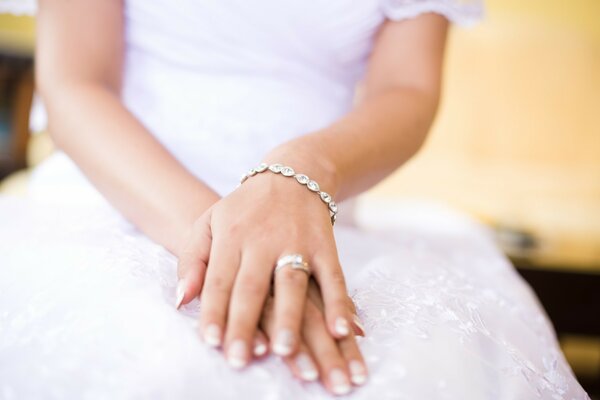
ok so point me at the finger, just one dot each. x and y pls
(222, 268)
(314, 294)
(290, 294)
(329, 276)
(332, 365)
(191, 266)
(250, 290)
(357, 325)
(261, 344)
(302, 364)
(348, 346)
(354, 360)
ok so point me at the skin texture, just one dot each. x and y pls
(227, 246)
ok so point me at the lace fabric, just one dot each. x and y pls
(89, 314)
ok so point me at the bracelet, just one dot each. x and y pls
(301, 179)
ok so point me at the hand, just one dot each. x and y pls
(337, 362)
(230, 256)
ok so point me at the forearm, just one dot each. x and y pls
(365, 146)
(126, 163)
(400, 94)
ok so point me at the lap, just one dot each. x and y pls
(87, 309)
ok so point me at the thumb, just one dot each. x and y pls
(193, 260)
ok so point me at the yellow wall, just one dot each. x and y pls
(517, 139)
(17, 33)
(578, 15)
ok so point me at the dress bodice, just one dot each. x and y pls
(221, 83)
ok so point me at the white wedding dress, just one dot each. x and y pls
(86, 301)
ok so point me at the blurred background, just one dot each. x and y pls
(516, 145)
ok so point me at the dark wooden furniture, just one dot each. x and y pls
(16, 93)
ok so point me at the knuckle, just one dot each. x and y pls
(234, 229)
(218, 285)
(210, 315)
(350, 352)
(336, 277)
(292, 277)
(252, 287)
(187, 261)
(330, 356)
(241, 325)
(336, 309)
(198, 226)
(313, 317)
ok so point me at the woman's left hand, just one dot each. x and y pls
(338, 363)
(230, 258)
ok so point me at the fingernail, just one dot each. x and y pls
(358, 324)
(180, 293)
(260, 349)
(307, 369)
(283, 343)
(358, 372)
(341, 326)
(212, 335)
(339, 382)
(236, 355)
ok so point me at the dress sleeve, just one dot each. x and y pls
(460, 12)
(18, 7)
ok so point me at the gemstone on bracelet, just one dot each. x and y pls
(325, 197)
(251, 172)
(262, 167)
(243, 178)
(312, 185)
(301, 178)
(287, 171)
(333, 207)
(276, 168)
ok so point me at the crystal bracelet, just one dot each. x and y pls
(301, 179)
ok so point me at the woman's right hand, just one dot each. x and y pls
(230, 257)
(338, 363)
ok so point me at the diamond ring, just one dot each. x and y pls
(294, 261)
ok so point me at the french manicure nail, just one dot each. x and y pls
(283, 344)
(260, 349)
(212, 335)
(307, 369)
(358, 372)
(179, 293)
(339, 382)
(341, 326)
(358, 324)
(236, 355)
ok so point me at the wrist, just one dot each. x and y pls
(265, 170)
(307, 161)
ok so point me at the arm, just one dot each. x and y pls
(397, 105)
(78, 70)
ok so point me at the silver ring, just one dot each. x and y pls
(294, 261)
